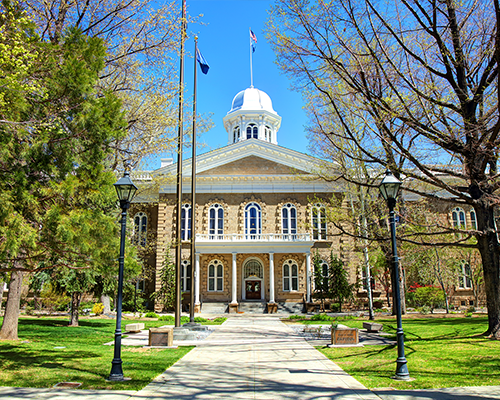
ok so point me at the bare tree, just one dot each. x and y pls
(423, 78)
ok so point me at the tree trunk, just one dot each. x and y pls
(106, 303)
(11, 317)
(490, 255)
(75, 304)
(1, 296)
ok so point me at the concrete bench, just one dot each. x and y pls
(372, 326)
(137, 327)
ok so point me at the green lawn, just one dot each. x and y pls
(441, 352)
(34, 360)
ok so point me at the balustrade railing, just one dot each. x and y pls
(262, 237)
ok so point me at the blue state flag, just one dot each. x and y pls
(201, 60)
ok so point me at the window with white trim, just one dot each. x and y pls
(236, 134)
(140, 228)
(288, 219)
(473, 219)
(216, 220)
(267, 133)
(318, 212)
(185, 276)
(458, 217)
(465, 278)
(252, 131)
(290, 276)
(253, 219)
(186, 222)
(215, 276)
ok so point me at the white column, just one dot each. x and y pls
(271, 277)
(234, 299)
(197, 280)
(308, 277)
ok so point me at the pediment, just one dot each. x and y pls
(252, 166)
(248, 157)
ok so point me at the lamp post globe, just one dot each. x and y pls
(125, 190)
(389, 189)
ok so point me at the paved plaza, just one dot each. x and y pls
(253, 357)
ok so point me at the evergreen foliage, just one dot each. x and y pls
(339, 288)
(165, 295)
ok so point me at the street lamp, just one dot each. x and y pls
(389, 188)
(125, 189)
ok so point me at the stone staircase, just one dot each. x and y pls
(252, 307)
(214, 308)
(290, 308)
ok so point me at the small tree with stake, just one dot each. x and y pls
(339, 288)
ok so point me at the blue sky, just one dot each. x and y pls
(224, 42)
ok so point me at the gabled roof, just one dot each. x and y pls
(243, 149)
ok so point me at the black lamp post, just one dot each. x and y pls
(389, 188)
(125, 189)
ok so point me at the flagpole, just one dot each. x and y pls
(193, 193)
(251, 60)
(178, 244)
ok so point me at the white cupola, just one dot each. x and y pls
(252, 117)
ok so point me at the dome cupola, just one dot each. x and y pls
(252, 117)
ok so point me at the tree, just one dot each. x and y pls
(339, 288)
(320, 279)
(142, 38)
(56, 194)
(423, 78)
(165, 294)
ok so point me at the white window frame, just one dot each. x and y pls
(186, 222)
(140, 228)
(218, 220)
(458, 218)
(236, 134)
(186, 276)
(288, 220)
(319, 225)
(217, 278)
(473, 219)
(464, 280)
(252, 131)
(290, 280)
(258, 219)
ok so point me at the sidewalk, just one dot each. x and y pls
(254, 357)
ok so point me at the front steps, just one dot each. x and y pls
(252, 307)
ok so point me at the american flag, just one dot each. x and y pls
(252, 36)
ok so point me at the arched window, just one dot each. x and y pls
(324, 273)
(236, 134)
(473, 220)
(252, 131)
(216, 220)
(290, 276)
(267, 132)
(186, 222)
(253, 219)
(289, 219)
(319, 222)
(465, 278)
(185, 276)
(140, 228)
(215, 276)
(253, 268)
(458, 216)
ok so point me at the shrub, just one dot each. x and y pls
(219, 319)
(295, 316)
(29, 310)
(335, 307)
(200, 319)
(98, 308)
(151, 314)
(321, 317)
(169, 318)
(429, 296)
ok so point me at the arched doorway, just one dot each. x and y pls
(253, 280)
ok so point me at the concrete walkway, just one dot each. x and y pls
(253, 357)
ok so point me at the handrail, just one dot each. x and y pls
(261, 237)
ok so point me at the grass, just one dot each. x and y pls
(441, 352)
(35, 360)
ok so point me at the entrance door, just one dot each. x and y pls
(253, 290)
